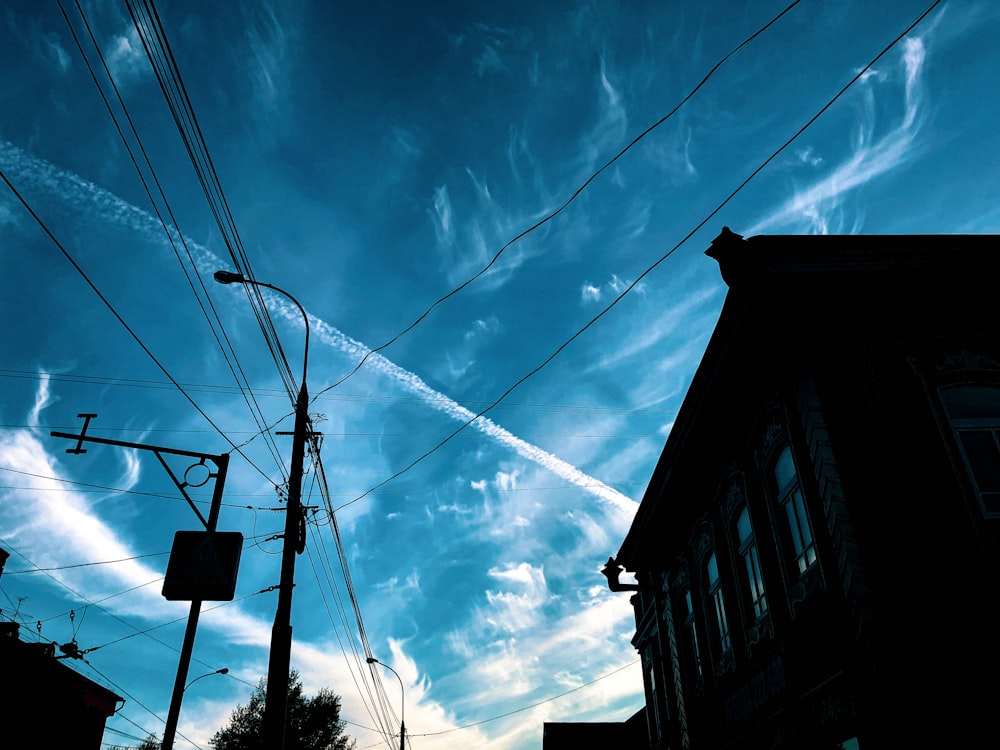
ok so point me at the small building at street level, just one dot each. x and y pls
(43, 702)
(815, 558)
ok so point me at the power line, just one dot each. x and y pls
(84, 565)
(228, 353)
(548, 217)
(533, 705)
(353, 397)
(151, 33)
(660, 260)
(107, 303)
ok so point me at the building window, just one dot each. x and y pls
(654, 697)
(973, 412)
(691, 634)
(793, 506)
(718, 605)
(751, 564)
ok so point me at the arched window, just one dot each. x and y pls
(751, 564)
(717, 603)
(793, 506)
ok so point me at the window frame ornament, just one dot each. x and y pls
(692, 658)
(749, 553)
(752, 599)
(717, 615)
(940, 368)
(790, 498)
(984, 426)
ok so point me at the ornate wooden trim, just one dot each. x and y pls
(836, 514)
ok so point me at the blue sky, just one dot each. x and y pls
(373, 159)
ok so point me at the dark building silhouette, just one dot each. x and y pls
(817, 550)
(597, 735)
(44, 703)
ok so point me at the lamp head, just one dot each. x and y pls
(228, 277)
(224, 670)
(372, 660)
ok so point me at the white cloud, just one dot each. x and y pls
(610, 130)
(490, 40)
(111, 208)
(269, 45)
(442, 217)
(126, 57)
(614, 286)
(57, 54)
(481, 327)
(641, 339)
(590, 293)
(817, 207)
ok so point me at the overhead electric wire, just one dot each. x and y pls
(548, 217)
(157, 47)
(326, 569)
(587, 409)
(117, 490)
(319, 481)
(528, 707)
(660, 260)
(228, 352)
(107, 303)
(135, 700)
(84, 565)
(110, 614)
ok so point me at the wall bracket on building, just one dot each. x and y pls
(612, 570)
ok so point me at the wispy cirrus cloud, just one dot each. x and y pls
(816, 207)
(78, 191)
(43, 516)
(126, 56)
(642, 339)
(610, 129)
(612, 287)
(269, 39)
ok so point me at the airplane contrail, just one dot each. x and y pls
(82, 192)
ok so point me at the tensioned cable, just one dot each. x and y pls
(351, 397)
(228, 353)
(320, 481)
(124, 734)
(174, 621)
(111, 562)
(110, 614)
(661, 259)
(326, 569)
(105, 488)
(548, 217)
(119, 318)
(533, 705)
(135, 700)
(84, 565)
(154, 40)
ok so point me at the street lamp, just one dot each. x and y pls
(276, 699)
(402, 701)
(224, 670)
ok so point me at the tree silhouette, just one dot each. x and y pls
(313, 723)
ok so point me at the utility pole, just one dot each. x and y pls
(276, 699)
